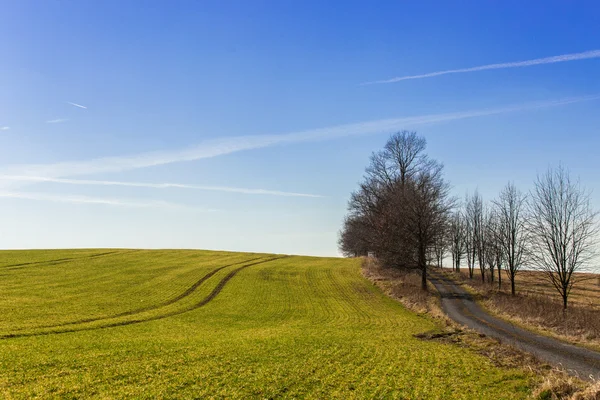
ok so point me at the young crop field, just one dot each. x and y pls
(201, 324)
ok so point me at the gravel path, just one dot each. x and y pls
(459, 305)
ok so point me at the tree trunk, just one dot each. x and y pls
(499, 278)
(564, 296)
(423, 267)
(512, 285)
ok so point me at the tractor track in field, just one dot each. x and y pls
(202, 303)
(140, 310)
(63, 260)
(460, 306)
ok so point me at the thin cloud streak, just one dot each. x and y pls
(57, 121)
(219, 147)
(4, 128)
(156, 185)
(518, 64)
(77, 105)
(94, 200)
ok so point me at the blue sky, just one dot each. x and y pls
(260, 111)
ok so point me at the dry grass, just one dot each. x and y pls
(537, 306)
(559, 387)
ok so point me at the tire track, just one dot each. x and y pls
(202, 303)
(63, 260)
(140, 310)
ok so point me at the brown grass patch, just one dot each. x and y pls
(560, 387)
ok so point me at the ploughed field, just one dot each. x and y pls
(111, 323)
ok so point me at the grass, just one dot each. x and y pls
(538, 306)
(171, 324)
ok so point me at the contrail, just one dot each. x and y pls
(77, 105)
(56, 121)
(154, 185)
(95, 200)
(518, 64)
(223, 146)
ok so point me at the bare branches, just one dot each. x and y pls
(473, 216)
(405, 151)
(512, 233)
(563, 228)
(457, 238)
(403, 205)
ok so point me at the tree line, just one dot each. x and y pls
(403, 213)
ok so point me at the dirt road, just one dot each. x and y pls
(460, 306)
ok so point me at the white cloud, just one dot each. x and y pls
(56, 121)
(4, 128)
(94, 200)
(223, 146)
(154, 185)
(518, 64)
(77, 105)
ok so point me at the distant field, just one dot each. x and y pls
(185, 324)
(586, 291)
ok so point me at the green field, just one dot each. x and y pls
(198, 324)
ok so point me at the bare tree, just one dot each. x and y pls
(354, 237)
(495, 254)
(470, 248)
(405, 150)
(456, 239)
(441, 246)
(512, 230)
(479, 231)
(474, 214)
(563, 229)
(402, 206)
(429, 206)
(490, 243)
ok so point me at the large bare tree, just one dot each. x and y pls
(512, 233)
(429, 206)
(402, 205)
(563, 229)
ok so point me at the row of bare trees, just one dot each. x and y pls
(494, 237)
(552, 229)
(404, 214)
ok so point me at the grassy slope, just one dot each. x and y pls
(297, 326)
